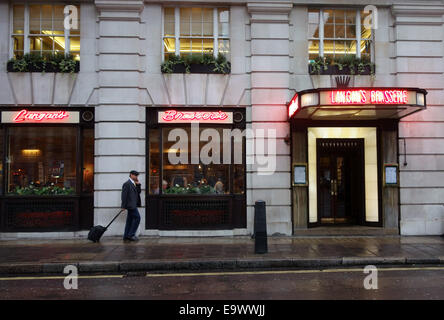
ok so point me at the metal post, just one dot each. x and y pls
(260, 228)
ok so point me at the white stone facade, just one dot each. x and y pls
(121, 54)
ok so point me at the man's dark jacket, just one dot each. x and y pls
(131, 195)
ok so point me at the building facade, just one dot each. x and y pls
(352, 91)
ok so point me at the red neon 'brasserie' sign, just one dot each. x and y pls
(25, 115)
(174, 115)
(344, 97)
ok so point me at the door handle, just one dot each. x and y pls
(334, 187)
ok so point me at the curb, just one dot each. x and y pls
(193, 265)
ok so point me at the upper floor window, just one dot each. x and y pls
(196, 31)
(337, 32)
(39, 28)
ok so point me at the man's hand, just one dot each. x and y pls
(122, 209)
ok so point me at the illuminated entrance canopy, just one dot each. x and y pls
(31, 116)
(356, 103)
(175, 116)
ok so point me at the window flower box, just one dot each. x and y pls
(37, 63)
(206, 63)
(346, 70)
(344, 65)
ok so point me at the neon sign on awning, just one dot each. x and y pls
(346, 97)
(175, 116)
(29, 116)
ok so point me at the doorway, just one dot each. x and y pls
(341, 181)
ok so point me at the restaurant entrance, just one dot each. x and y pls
(341, 180)
(345, 154)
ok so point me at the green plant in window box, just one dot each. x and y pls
(168, 65)
(42, 191)
(319, 64)
(347, 63)
(67, 64)
(193, 64)
(205, 189)
(35, 62)
(176, 190)
(19, 65)
(221, 64)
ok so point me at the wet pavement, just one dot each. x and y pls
(331, 284)
(160, 250)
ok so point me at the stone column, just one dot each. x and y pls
(418, 32)
(120, 114)
(270, 75)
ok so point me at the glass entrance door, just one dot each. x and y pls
(340, 181)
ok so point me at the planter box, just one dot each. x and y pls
(49, 68)
(334, 70)
(9, 66)
(197, 68)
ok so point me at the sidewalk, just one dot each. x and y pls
(234, 253)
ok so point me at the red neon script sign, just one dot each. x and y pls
(188, 116)
(345, 97)
(26, 115)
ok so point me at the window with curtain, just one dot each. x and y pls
(338, 32)
(39, 28)
(196, 31)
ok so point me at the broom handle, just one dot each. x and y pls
(114, 218)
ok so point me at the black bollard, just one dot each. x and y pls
(260, 228)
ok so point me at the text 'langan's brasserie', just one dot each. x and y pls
(369, 97)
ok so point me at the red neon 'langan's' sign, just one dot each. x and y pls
(174, 115)
(368, 97)
(25, 115)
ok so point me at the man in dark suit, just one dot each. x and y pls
(130, 201)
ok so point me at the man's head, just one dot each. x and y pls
(133, 174)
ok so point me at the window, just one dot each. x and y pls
(185, 177)
(196, 31)
(39, 28)
(88, 161)
(334, 33)
(42, 157)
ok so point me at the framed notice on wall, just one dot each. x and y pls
(391, 176)
(300, 176)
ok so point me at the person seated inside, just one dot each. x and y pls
(180, 181)
(219, 187)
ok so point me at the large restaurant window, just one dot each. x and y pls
(196, 181)
(189, 31)
(209, 178)
(39, 28)
(46, 169)
(43, 159)
(335, 33)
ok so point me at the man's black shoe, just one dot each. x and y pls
(132, 239)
